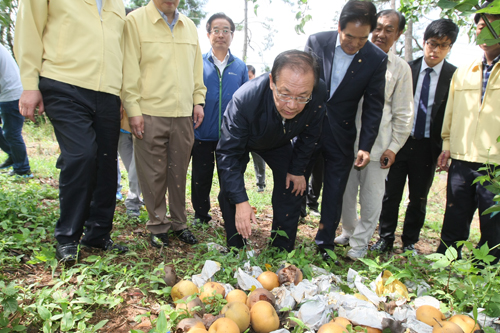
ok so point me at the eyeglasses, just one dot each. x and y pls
(224, 32)
(443, 47)
(288, 98)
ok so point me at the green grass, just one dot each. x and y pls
(107, 291)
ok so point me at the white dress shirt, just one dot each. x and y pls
(397, 117)
(432, 93)
(220, 64)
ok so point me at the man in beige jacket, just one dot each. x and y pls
(70, 57)
(163, 94)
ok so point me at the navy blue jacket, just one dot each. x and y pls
(219, 93)
(252, 123)
(365, 77)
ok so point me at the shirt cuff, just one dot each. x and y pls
(446, 144)
(30, 84)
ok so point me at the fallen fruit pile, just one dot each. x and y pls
(281, 301)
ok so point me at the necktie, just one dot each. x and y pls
(422, 106)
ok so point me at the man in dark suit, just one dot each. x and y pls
(418, 157)
(352, 67)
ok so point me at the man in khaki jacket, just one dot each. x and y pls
(70, 57)
(470, 132)
(163, 94)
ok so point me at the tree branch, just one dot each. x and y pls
(418, 45)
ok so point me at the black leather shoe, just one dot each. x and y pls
(411, 248)
(326, 256)
(67, 252)
(382, 245)
(159, 240)
(109, 245)
(186, 236)
(7, 163)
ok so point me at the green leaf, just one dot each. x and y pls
(370, 263)
(451, 253)
(444, 262)
(435, 256)
(485, 37)
(494, 8)
(100, 324)
(492, 209)
(161, 323)
(67, 321)
(43, 312)
(9, 305)
(19, 328)
(446, 4)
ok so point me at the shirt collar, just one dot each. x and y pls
(217, 61)
(176, 16)
(437, 68)
(485, 62)
(337, 45)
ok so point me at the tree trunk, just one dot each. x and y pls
(245, 32)
(409, 41)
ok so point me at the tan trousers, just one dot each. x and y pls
(162, 159)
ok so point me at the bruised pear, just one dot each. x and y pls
(190, 323)
(170, 277)
(209, 290)
(189, 306)
(290, 274)
(260, 294)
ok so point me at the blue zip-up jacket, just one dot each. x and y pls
(220, 90)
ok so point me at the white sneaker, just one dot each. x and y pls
(341, 240)
(355, 254)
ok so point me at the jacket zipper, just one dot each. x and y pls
(220, 91)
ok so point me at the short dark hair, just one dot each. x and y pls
(220, 16)
(297, 60)
(363, 12)
(440, 29)
(477, 17)
(251, 69)
(401, 18)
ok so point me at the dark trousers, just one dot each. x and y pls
(414, 161)
(314, 185)
(202, 172)
(87, 126)
(336, 173)
(260, 169)
(462, 199)
(11, 138)
(286, 206)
